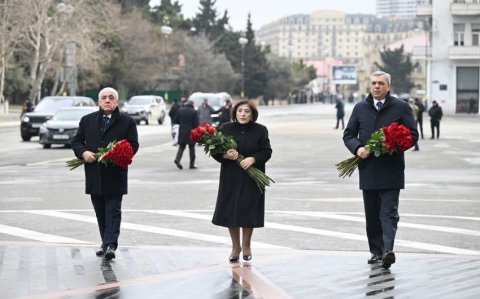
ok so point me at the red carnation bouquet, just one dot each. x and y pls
(116, 153)
(214, 142)
(384, 141)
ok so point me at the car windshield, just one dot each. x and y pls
(140, 101)
(70, 114)
(51, 105)
(213, 100)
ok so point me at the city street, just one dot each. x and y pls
(314, 219)
(308, 207)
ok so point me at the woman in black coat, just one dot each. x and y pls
(240, 203)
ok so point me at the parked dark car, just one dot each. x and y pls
(61, 128)
(45, 109)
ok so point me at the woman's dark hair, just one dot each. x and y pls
(250, 104)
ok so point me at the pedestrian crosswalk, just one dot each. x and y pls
(283, 229)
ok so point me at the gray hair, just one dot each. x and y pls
(387, 76)
(112, 90)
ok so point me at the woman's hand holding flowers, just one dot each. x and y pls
(247, 162)
(231, 154)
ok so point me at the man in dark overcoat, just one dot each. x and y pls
(187, 118)
(105, 184)
(381, 178)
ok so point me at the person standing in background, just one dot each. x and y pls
(172, 113)
(421, 109)
(205, 112)
(225, 113)
(187, 119)
(435, 112)
(105, 184)
(340, 106)
(416, 112)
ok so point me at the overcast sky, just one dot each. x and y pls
(266, 11)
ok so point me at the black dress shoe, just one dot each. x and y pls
(375, 259)
(233, 259)
(178, 164)
(193, 167)
(109, 253)
(247, 257)
(100, 252)
(388, 259)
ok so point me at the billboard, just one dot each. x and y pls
(344, 74)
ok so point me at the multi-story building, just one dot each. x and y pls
(349, 38)
(396, 8)
(453, 55)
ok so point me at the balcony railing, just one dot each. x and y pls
(459, 8)
(464, 52)
(424, 7)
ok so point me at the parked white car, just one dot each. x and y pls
(147, 108)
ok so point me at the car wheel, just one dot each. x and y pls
(26, 137)
(160, 121)
(47, 145)
(138, 122)
(146, 121)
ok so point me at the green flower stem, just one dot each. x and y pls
(260, 178)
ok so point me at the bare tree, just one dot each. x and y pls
(9, 37)
(51, 25)
(205, 70)
(144, 49)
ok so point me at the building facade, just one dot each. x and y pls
(453, 60)
(396, 8)
(349, 38)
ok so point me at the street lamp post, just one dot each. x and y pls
(243, 41)
(166, 31)
(70, 65)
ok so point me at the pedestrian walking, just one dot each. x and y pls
(421, 109)
(435, 112)
(105, 184)
(381, 178)
(340, 106)
(187, 119)
(240, 203)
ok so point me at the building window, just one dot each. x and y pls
(458, 34)
(476, 34)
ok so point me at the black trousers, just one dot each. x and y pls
(435, 124)
(381, 214)
(191, 150)
(340, 118)
(108, 209)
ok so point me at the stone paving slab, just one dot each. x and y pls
(40, 270)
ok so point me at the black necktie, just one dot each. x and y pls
(379, 105)
(105, 120)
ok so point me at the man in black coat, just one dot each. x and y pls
(105, 184)
(436, 114)
(381, 178)
(187, 118)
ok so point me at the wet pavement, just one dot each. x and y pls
(35, 270)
